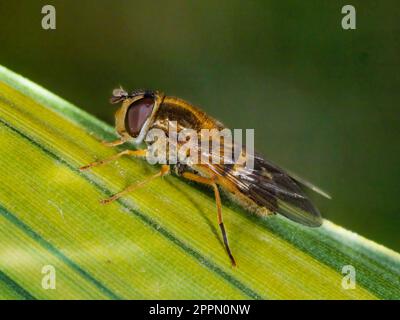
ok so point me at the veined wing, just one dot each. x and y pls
(271, 187)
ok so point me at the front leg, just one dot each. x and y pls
(165, 169)
(114, 143)
(137, 153)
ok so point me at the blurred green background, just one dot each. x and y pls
(324, 102)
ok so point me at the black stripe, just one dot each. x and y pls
(15, 286)
(47, 245)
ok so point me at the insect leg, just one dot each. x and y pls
(211, 182)
(137, 153)
(164, 170)
(113, 143)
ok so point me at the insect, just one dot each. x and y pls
(265, 189)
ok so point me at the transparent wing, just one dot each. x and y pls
(265, 183)
(309, 185)
(271, 187)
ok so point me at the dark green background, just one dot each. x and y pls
(324, 102)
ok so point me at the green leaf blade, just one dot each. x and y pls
(160, 242)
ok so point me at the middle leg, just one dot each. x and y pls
(164, 170)
(137, 153)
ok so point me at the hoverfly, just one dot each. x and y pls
(265, 189)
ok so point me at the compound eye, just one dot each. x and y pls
(137, 114)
